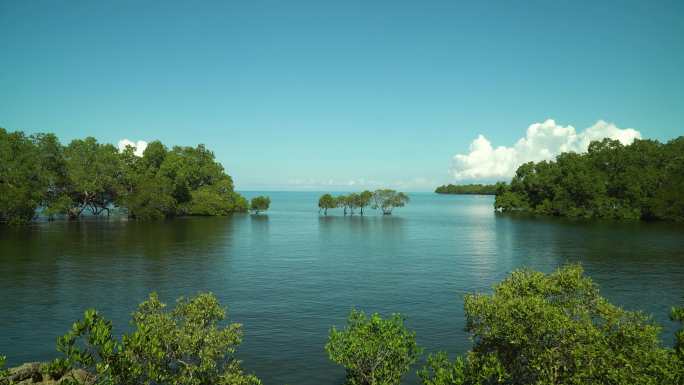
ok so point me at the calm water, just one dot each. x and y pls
(289, 275)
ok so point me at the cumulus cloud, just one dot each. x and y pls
(139, 146)
(543, 141)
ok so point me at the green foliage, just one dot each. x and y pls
(184, 346)
(37, 172)
(56, 368)
(372, 349)
(345, 202)
(325, 202)
(145, 192)
(196, 182)
(555, 329)
(644, 180)
(150, 198)
(3, 372)
(383, 199)
(363, 199)
(218, 199)
(387, 200)
(260, 203)
(92, 176)
(677, 314)
(668, 202)
(475, 369)
(89, 345)
(23, 177)
(467, 189)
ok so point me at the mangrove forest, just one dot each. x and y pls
(39, 175)
(643, 180)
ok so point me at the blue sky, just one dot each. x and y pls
(322, 94)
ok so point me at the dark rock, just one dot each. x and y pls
(30, 374)
(28, 371)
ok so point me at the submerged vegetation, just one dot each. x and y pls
(643, 180)
(467, 189)
(535, 328)
(38, 172)
(384, 199)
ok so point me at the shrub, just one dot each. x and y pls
(555, 329)
(184, 346)
(372, 349)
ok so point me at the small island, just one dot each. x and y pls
(467, 189)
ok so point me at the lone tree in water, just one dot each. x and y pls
(387, 200)
(372, 349)
(260, 203)
(325, 202)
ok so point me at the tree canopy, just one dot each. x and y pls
(24, 177)
(38, 173)
(643, 180)
(183, 346)
(555, 329)
(92, 176)
(386, 200)
(260, 203)
(325, 202)
(677, 314)
(373, 350)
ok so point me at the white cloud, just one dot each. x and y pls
(139, 146)
(543, 141)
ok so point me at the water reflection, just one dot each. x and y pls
(387, 224)
(56, 270)
(291, 274)
(627, 260)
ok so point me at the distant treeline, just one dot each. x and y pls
(467, 189)
(37, 172)
(643, 180)
(383, 199)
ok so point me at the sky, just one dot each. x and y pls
(343, 95)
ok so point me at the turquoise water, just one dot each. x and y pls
(289, 275)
